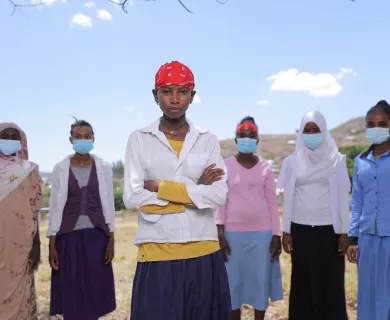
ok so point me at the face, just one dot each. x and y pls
(311, 128)
(82, 133)
(174, 100)
(377, 119)
(10, 134)
(247, 133)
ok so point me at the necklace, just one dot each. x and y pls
(172, 132)
(81, 163)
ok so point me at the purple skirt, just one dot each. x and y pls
(83, 287)
(191, 289)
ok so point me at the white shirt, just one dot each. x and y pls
(339, 186)
(149, 156)
(312, 202)
(59, 193)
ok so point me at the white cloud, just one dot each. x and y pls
(81, 20)
(90, 4)
(197, 99)
(263, 102)
(316, 84)
(104, 15)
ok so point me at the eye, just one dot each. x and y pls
(166, 92)
(184, 92)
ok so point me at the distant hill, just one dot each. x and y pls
(278, 147)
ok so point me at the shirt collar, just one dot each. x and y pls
(154, 128)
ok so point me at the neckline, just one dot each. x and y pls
(241, 166)
(89, 178)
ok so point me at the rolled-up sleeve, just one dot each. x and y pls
(134, 194)
(215, 195)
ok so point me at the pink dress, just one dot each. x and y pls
(251, 218)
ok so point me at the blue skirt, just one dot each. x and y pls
(253, 277)
(83, 287)
(374, 278)
(190, 289)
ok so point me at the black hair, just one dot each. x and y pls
(80, 123)
(381, 106)
(248, 119)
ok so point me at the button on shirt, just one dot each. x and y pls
(371, 195)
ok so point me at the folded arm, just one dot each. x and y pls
(214, 195)
(134, 194)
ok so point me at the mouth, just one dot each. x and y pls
(174, 110)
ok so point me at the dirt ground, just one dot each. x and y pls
(124, 267)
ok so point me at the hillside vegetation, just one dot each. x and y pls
(277, 147)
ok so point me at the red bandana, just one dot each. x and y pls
(174, 74)
(247, 125)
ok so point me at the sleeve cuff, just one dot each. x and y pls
(353, 241)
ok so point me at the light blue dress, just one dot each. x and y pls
(371, 224)
(253, 277)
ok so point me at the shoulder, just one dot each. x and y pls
(209, 138)
(230, 161)
(103, 163)
(289, 160)
(63, 164)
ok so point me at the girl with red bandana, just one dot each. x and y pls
(249, 226)
(175, 178)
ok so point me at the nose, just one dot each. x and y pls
(175, 98)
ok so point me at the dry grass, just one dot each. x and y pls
(124, 267)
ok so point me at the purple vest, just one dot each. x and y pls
(83, 201)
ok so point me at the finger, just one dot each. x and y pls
(224, 255)
(210, 167)
(229, 251)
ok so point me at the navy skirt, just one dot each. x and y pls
(83, 287)
(191, 289)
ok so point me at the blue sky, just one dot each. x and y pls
(270, 59)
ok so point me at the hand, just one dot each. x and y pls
(275, 247)
(225, 248)
(110, 250)
(53, 258)
(287, 243)
(210, 175)
(353, 254)
(152, 185)
(343, 244)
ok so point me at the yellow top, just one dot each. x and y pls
(177, 194)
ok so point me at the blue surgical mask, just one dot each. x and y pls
(312, 141)
(9, 147)
(246, 145)
(378, 135)
(82, 146)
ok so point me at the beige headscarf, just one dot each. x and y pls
(13, 169)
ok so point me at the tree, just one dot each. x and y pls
(352, 152)
(19, 4)
(118, 169)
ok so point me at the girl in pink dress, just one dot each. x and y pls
(249, 227)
